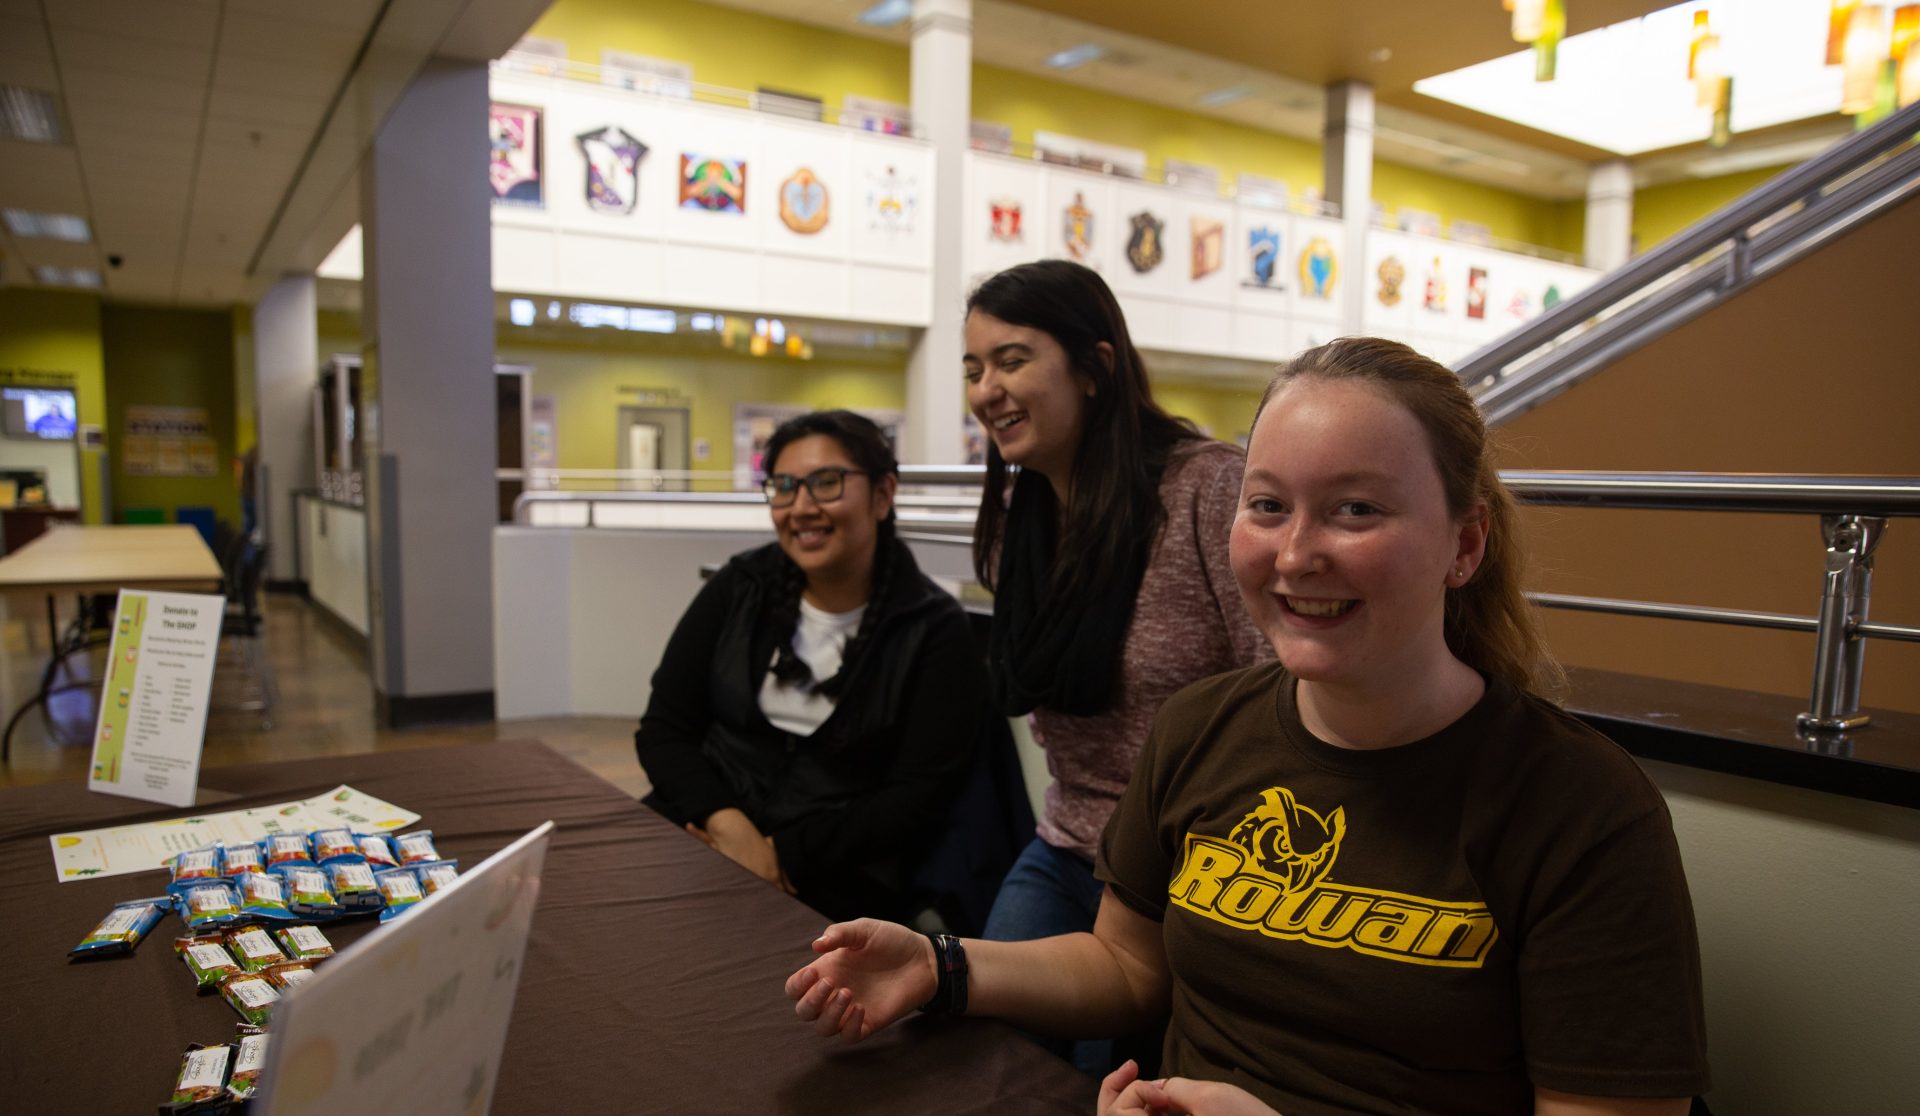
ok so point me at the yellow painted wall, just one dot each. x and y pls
(169, 357)
(1661, 211)
(57, 331)
(245, 408)
(1225, 413)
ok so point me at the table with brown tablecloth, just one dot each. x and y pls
(652, 979)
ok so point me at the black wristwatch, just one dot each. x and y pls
(950, 961)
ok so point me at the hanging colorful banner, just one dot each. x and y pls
(1144, 250)
(1209, 239)
(1076, 227)
(1434, 298)
(1392, 274)
(713, 185)
(891, 199)
(1319, 269)
(1005, 224)
(803, 202)
(514, 167)
(613, 169)
(1263, 257)
(1477, 293)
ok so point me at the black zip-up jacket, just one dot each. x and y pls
(852, 807)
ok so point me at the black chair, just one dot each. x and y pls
(243, 568)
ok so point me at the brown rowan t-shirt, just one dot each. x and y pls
(1436, 927)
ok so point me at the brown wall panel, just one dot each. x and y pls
(1811, 371)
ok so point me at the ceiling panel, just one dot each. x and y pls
(259, 74)
(126, 57)
(257, 109)
(176, 24)
(39, 252)
(92, 91)
(351, 16)
(295, 41)
(41, 176)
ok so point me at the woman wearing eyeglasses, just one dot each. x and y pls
(816, 708)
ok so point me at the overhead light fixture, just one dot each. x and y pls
(50, 226)
(67, 277)
(1226, 96)
(30, 114)
(1074, 57)
(520, 311)
(887, 13)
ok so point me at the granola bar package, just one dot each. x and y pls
(289, 973)
(207, 959)
(263, 897)
(354, 887)
(437, 875)
(416, 847)
(237, 858)
(304, 943)
(209, 906)
(250, 1053)
(122, 929)
(252, 995)
(400, 887)
(202, 1084)
(195, 866)
(308, 894)
(336, 846)
(253, 947)
(287, 850)
(378, 851)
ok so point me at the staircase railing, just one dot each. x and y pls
(1780, 221)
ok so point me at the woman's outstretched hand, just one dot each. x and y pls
(868, 975)
(1125, 1093)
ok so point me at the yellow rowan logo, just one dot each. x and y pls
(1270, 876)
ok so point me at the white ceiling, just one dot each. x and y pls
(211, 140)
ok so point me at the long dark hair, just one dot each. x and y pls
(1490, 625)
(862, 441)
(1126, 437)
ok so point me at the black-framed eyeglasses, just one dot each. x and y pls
(824, 485)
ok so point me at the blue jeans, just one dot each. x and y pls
(1047, 892)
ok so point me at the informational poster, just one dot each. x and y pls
(170, 442)
(153, 711)
(123, 849)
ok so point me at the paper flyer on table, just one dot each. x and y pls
(121, 849)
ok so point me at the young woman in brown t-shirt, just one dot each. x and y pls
(1498, 923)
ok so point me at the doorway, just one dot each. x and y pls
(655, 439)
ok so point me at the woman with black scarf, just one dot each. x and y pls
(1106, 549)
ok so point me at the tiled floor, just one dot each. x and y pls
(325, 707)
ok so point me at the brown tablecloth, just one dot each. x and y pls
(652, 980)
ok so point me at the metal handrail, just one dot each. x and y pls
(1800, 186)
(1726, 492)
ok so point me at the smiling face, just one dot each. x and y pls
(1023, 389)
(833, 543)
(1343, 546)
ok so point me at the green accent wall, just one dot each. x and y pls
(58, 331)
(168, 357)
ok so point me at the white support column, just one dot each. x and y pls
(427, 416)
(1347, 155)
(286, 359)
(942, 114)
(1609, 214)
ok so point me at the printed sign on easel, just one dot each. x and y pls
(153, 711)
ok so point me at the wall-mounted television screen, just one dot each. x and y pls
(38, 413)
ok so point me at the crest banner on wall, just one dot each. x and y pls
(1434, 298)
(1209, 240)
(513, 169)
(1144, 248)
(1263, 253)
(1076, 227)
(1005, 226)
(891, 200)
(1476, 292)
(1392, 275)
(714, 185)
(804, 202)
(613, 169)
(1319, 268)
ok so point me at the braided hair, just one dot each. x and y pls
(864, 442)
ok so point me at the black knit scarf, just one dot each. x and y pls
(1063, 654)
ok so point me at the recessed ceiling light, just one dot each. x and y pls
(1225, 96)
(1381, 54)
(52, 226)
(887, 13)
(67, 277)
(30, 114)
(1076, 56)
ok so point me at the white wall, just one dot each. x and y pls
(333, 559)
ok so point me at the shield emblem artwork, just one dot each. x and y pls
(1143, 247)
(1476, 292)
(513, 168)
(613, 169)
(1392, 274)
(1319, 269)
(1006, 219)
(715, 185)
(1552, 298)
(1077, 227)
(1435, 297)
(890, 203)
(803, 202)
(1209, 246)
(1521, 306)
(1263, 252)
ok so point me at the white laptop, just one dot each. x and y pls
(413, 1017)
